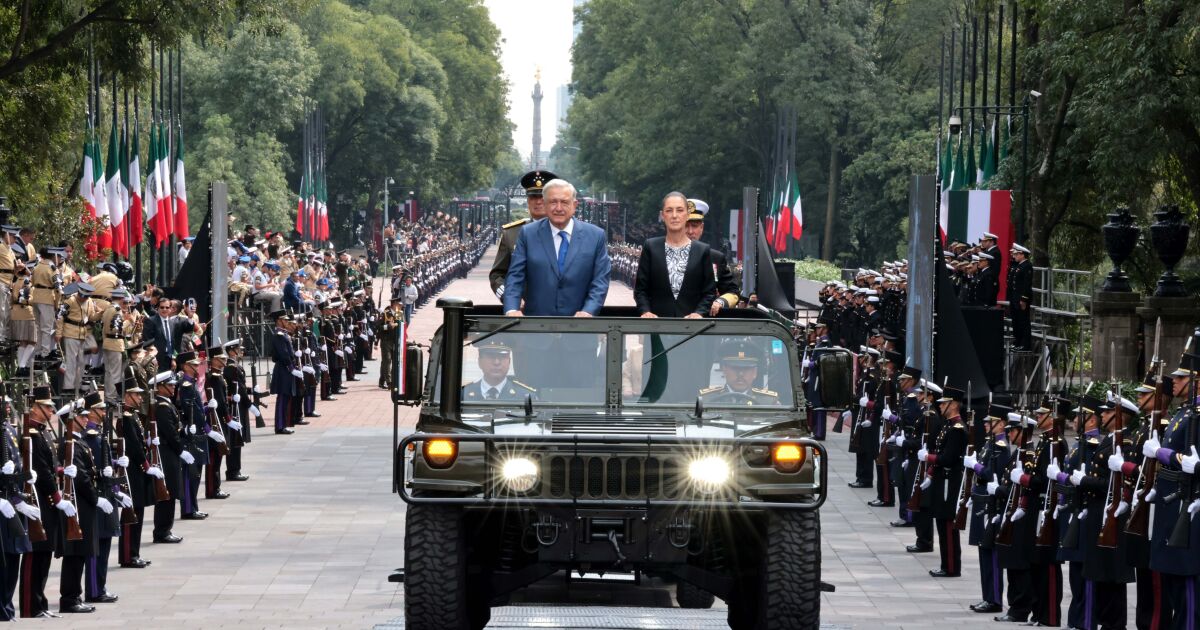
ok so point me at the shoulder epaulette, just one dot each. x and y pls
(714, 388)
(1093, 440)
(764, 391)
(515, 223)
(959, 425)
(1001, 443)
(523, 385)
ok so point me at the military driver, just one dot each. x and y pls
(495, 359)
(739, 361)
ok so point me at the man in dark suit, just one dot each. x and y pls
(675, 275)
(167, 330)
(560, 266)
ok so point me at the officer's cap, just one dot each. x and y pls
(278, 314)
(216, 352)
(533, 181)
(931, 386)
(953, 393)
(987, 236)
(1188, 365)
(1016, 247)
(911, 372)
(1019, 420)
(894, 357)
(697, 209)
(234, 343)
(739, 354)
(494, 346)
(94, 400)
(996, 411)
(186, 357)
(41, 395)
(11, 229)
(1089, 405)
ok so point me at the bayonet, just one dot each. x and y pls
(1158, 339)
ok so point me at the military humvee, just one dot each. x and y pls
(673, 448)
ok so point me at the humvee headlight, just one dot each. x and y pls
(787, 457)
(709, 473)
(519, 474)
(440, 452)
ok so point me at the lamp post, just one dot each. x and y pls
(1023, 112)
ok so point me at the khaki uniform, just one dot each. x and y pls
(103, 283)
(116, 329)
(7, 261)
(508, 243)
(44, 297)
(76, 331)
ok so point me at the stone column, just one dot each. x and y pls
(1179, 319)
(1115, 327)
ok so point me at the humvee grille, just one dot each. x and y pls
(613, 425)
(615, 477)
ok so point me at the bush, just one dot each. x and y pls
(815, 269)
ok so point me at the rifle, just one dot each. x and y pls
(1046, 531)
(66, 488)
(1109, 524)
(161, 493)
(1138, 523)
(1071, 536)
(18, 528)
(214, 419)
(1181, 534)
(36, 530)
(855, 433)
(1015, 491)
(962, 510)
(888, 386)
(256, 396)
(918, 493)
(236, 439)
(128, 514)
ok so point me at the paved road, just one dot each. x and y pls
(309, 541)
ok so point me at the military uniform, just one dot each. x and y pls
(508, 390)
(532, 182)
(725, 395)
(114, 339)
(8, 261)
(44, 297)
(944, 467)
(389, 330)
(1020, 290)
(170, 448)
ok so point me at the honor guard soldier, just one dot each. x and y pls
(164, 438)
(241, 408)
(1071, 547)
(8, 275)
(45, 297)
(104, 283)
(115, 333)
(79, 313)
(285, 372)
(495, 359)
(109, 500)
(740, 362)
(532, 182)
(195, 434)
(1020, 296)
(944, 469)
(1016, 530)
(139, 472)
(389, 331)
(989, 465)
(218, 402)
(14, 512)
(35, 565)
(82, 503)
(1153, 398)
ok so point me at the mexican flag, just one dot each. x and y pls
(791, 217)
(300, 207)
(967, 214)
(153, 189)
(112, 190)
(181, 208)
(87, 179)
(162, 233)
(101, 196)
(118, 204)
(135, 193)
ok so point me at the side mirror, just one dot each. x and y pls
(835, 368)
(413, 377)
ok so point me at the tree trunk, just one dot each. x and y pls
(835, 174)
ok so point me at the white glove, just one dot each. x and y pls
(1076, 477)
(67, 507)
(1015, 475)
(1083, 514)
(216, 437)
(339, 353)
(8, 468)
(1193, 508)
(235, 425)
(1057, 509)
(70, 471)
(1116, 460)
(1151, 446)
(104, 505)
(107, 472)
(324, 348)
(862, 402)
(30, 511)
(324, 368)
(299, 354)
(212, 403)
(1052, 469)
(922, 454)
(992, 487)
(926, 483)
(155, 441)
(7, 509)
(191, 429)
(32, 475)
(349, 350)
(308, 351)
(237, 398)
(297, 373)
(1188, 463)
(123, 461)
(155, 471)
(898, 440)
(1122, 508)
(255, 412)
(124, 500)
(1150, 495)
(807, 363)
(904, 465)
(866, 424)
(887, 412)
(969, 460)
(308, 369)
(996, 518)
(187, 458)
(364, 337)
(1017, 515)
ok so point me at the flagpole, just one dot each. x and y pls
(999, 83)
(171, 57)
(1012, 61)
(987, 30)
(151, 250)
(124, 143)
(136, 252)
(162, 114)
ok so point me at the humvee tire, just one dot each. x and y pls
(435, 576)
(688, 595)
(786, 593)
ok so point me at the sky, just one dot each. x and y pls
(534, 33)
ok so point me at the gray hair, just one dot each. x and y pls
(558, 183)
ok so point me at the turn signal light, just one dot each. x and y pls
(787, 457)
(440, 453)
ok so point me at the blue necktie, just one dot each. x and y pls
(562, 250)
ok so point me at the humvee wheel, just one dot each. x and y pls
(435, 576)
(689, 595)
(786, 594)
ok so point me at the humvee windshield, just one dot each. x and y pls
(548, 367)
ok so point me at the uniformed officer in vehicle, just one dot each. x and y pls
(495, 359)
(532, 182)
(740, 361)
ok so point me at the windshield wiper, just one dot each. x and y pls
(686, 339)
(509, 325)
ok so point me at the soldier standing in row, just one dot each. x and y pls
(35, 565)
(170, 446)
(140, 473)
(108, 503)
(1020, 296)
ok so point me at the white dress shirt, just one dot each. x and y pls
(554, 232)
